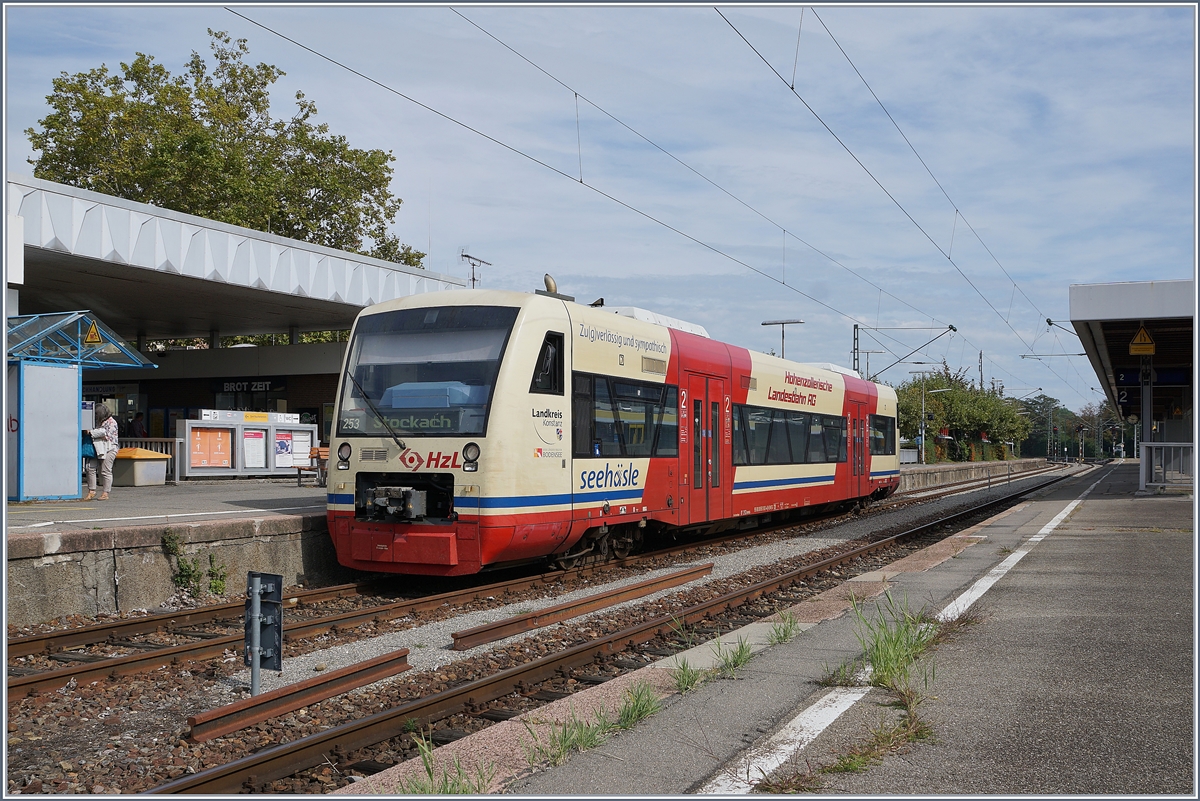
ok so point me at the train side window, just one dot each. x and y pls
(607, 431)
(835, 438)
(581, 415)
(779, 452)
(758, 428)
(798, 434)
(883, 435)
(667, 437)
(548, 370)
(816, 439)
(739, 436)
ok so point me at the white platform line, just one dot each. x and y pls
(963, 602)
(760, 761)
(160, 517)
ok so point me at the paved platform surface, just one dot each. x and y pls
(189, 501)
(1077, 678)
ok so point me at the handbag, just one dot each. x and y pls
(89, 449)
(99, 442)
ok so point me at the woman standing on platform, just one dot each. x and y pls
(106, 433)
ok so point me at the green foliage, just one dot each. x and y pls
(640, 702)
(892, 638)
(687, 678)
(217, 573)
(784, 630)
(445, 781)
(172, 542)
(966, 411)
(188, 574)
(577, 734)
(205, 143)
(729, 660)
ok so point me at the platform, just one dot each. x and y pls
(1076, 678)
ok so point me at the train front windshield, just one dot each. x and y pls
(427, 371)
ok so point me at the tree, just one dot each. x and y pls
(206, 144)
(967, 413)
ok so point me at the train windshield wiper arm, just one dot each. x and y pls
(371, 405)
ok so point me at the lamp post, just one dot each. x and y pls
(782, 327)
(924, 373)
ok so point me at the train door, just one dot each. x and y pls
(707, 410)
(858, 449)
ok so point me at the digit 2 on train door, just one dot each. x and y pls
(703, 458)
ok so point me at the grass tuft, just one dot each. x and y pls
(892, 638)
(729, 660)
(578, 734)
(687, 678)
(784, 630)
(454, 780)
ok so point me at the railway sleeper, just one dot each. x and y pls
(369, 767)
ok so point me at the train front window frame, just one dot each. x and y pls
(430, 371)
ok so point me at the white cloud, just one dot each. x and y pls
(1065, 136)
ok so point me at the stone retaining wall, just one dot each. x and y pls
(118, 569)
(914, 477)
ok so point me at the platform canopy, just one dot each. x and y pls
(70, 338)
(1120, 324)
(155, 273)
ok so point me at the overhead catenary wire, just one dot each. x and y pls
(891, 197)
(957, 212)
(539, 162)
(517, 151)
(786, 232)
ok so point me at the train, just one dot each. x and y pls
(478, 429)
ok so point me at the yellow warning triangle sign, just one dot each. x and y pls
(1142, 343)
(92, 337)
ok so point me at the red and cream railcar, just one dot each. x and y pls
(482, 428)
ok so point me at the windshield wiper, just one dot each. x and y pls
(378, 415)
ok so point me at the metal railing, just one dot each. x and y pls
(1167, 464)
(170, 446)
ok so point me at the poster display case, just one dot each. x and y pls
(231, 443)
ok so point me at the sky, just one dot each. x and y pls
(903, 168)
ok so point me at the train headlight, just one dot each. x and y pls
(344, 452)
(471, 452)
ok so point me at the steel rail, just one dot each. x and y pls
(51, 641)
(286, 759)
(248, 711)
(490, 632)
(20, 686)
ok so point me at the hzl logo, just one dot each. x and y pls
(435, 460)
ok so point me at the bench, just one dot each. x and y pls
(318, 463)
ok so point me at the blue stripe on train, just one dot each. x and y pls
(518, 501)
(882, 473)
(778, 482)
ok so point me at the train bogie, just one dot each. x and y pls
(476, 429)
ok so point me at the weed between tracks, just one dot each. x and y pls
(578, 734)
(894, 640)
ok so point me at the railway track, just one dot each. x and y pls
(256, 771)
(201, 642)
